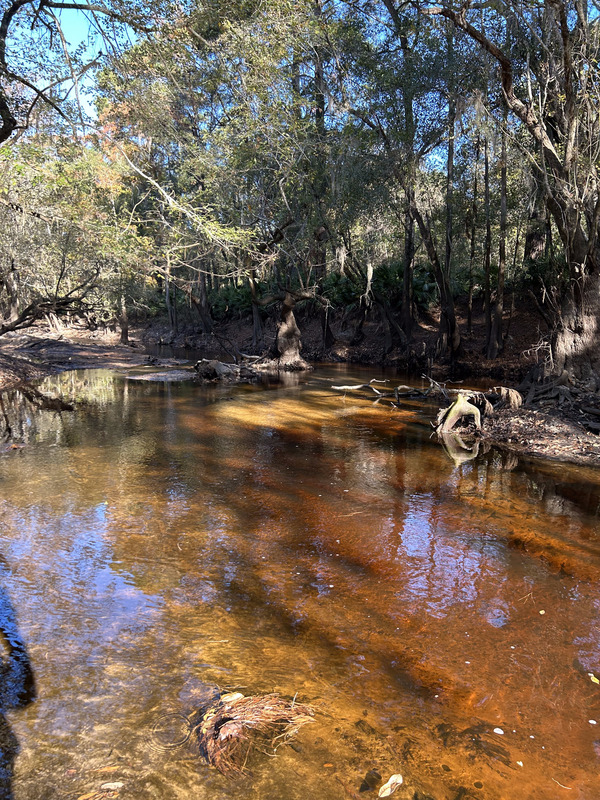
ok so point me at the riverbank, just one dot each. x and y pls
(40, 352)
(552, 432)
(555, 434)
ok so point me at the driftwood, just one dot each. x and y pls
(369, 385)
(213, 370)
(463, 403)
(461, 407)
(434, 389)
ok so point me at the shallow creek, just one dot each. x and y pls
(165, 538)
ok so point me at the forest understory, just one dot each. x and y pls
(562, 426)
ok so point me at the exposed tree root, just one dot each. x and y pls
(282, 365)
(461, 407)
(233, 725)
(580, 400)
(560, 426)
(501, 397)
(465, 403)
(536, 391)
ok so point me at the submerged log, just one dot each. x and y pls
(212, 370)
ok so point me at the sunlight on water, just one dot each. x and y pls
(164, 539)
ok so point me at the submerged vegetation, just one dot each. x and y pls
(235, 724)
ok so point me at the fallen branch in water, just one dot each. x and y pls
(463, 403)
(44, 401)
(360, 386)
(394, 394)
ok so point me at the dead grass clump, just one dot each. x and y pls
(233, 725)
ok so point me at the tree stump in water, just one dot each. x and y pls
(288, 342)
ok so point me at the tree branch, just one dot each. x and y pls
(524, 111)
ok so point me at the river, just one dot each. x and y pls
(164, 538)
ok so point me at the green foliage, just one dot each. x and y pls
(230, 302)
(340, 290)
(62, 227)
(274, 135)
(387, 281)
(546, 272)
(425, 291)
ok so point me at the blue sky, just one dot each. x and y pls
(75, 26)
(76, 30)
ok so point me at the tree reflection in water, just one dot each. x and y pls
(17, 686)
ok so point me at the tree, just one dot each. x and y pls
(33, 43)
(68, 246)
(550, 83)
(423, 74)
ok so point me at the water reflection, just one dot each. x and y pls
(17, 685)
(168, 538)
(457, 449)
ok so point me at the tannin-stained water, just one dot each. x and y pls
(163, 539)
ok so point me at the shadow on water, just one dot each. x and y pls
(17, 686)
(438, 607)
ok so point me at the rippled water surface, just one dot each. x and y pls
(163, 539)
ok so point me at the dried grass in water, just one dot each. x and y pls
(234, 724)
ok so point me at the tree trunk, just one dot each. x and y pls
(487, 252)
(449, 337)
(450, 187)
(473, 237)
(168, 300)
(387, 330)
(536, 237)
(449, 334)
(204, 304)
(576, 344)
(257, 327)
(409, 189)
(328, 338)
(201, 304)
(409, 258)
(358, 335)
(124, 321)
(496, 342)
(288, 343)
(12, 289)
